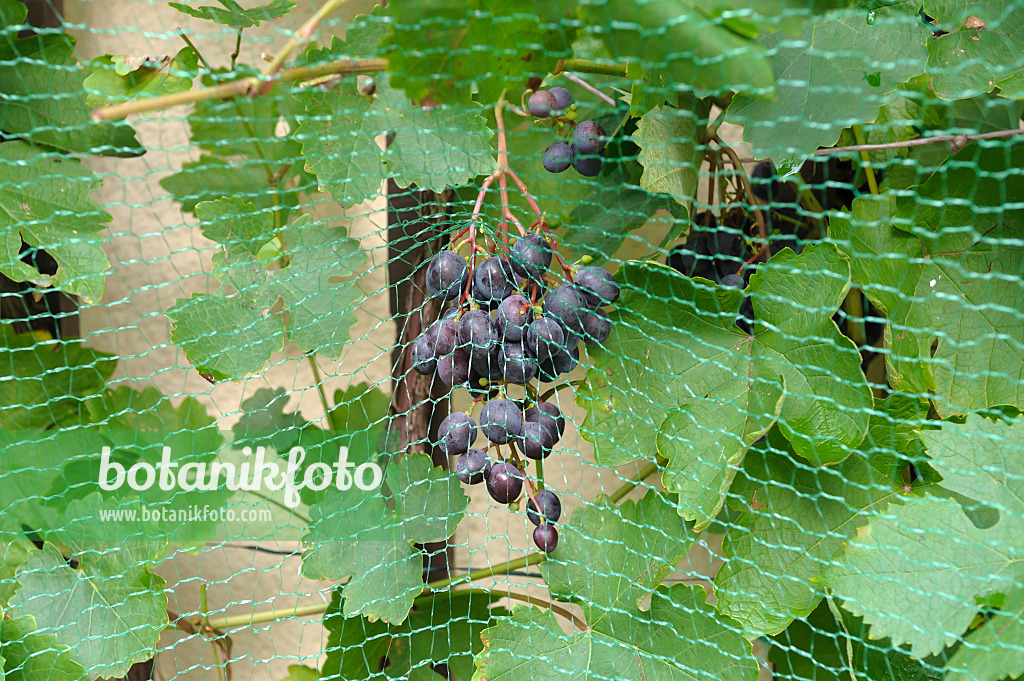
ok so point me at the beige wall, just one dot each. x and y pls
(159, 256)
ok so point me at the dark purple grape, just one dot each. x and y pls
(472, 467)
(536, 441)
(587, 166)
(567, 305)
(488, 364)
(547, 414)
(514, 313)
(423, 359)
(597, 285)
(493, 281)
(517, 366)
(545, 537)
(732, 281)
(764, 181)
(596, 327)
(456, 434)
(542, 103)
(557, 158)
(446, 275)
(588, 138)
(453, 369)
(450, 312)
(566, 361)
(504, 482)
(501, 421)
(550, 506)
(531, 256)
(545, 337)
(444, 336)
(477, 332)
(563, 98)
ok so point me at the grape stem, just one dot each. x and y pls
(590, 88)
(741, 173)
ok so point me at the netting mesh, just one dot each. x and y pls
(730, 295)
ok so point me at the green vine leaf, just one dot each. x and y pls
(827, 79)
(679, 638)
(45, 200)
(234, 15)
(951, 299)
(119, 78)
(125, 606)
(992, 652)
(29, 654)
(930, 543)
(796, 523)
(355, 645)
(674, 339)
(671, 150)
(609, 557)
(355, 533)
(981, 49)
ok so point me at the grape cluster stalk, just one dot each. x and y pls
(513, 322)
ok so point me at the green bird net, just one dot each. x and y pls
(577, 339)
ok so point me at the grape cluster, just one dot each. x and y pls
(510, 328)
(586, 150)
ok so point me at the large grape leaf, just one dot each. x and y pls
(682, 39)
(234, 15)
(981, 50)
(109, 611)
(993, 652)
(952, 300)
(678, 639)
(821, 648)
(119, 78)
(671, 150)
(44, 99)
(611, 557)
(837, 73)
(44, 200)
(930, 546)
(46, 381)
(797, 522)
(674, 340)
(29, 654)
(440, 51)
(357, 534)
(444, 629)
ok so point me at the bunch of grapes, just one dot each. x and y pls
(585, 151)
(510, 327)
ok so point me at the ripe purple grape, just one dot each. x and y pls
(732, 281)
(550, 506)
(563, 98)
(446, 275)
(514, 313)
(423, 359)
(477, 332)
(456, 434)
(544, 338)
(501, 421)
(504, 482)
(545, 536)
(547, 414)
(557, 157)
(587, 166)
(453, 369)
(443, 335)
(566, 360)
(531, 256)
(536, 441)
(567, 305)
(596, 327)
(493, 281)
(542, 103)
(588, 138)
(472, 467)
(516, 364)
(597, 285)
(488, 364)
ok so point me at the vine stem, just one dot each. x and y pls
(301, 36)
(271, 615)
(921, 141)
(644, 473)
(749, 193)
(587, 86)
(858, 134)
